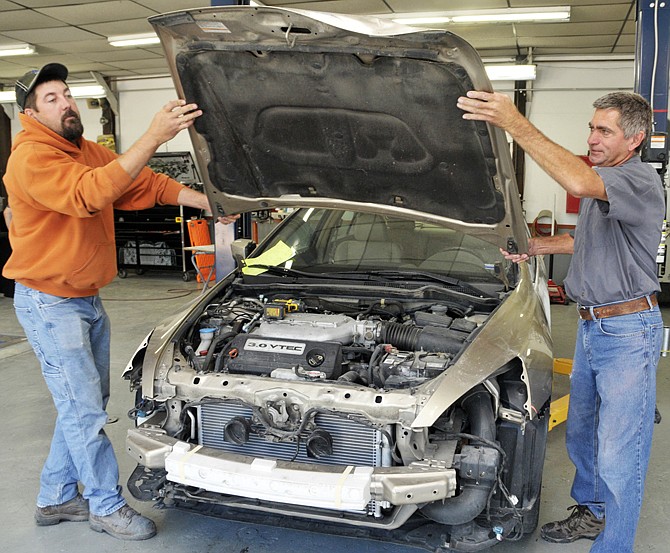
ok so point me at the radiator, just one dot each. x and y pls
(353, 443)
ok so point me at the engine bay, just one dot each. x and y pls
(375, 342)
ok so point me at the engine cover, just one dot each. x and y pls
(259, 355)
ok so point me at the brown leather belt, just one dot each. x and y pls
(614, 309)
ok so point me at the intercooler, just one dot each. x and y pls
(353, 443)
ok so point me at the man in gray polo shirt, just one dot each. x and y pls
(612, 277)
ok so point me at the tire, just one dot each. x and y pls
(122, 273)
(186, 277)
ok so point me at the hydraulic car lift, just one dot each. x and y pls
(652, 72)
(652, 66)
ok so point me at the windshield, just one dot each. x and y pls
(333, 241)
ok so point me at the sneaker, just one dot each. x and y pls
(124, 524)
(75, 510)
(581, 523)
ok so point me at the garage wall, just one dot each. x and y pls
(139, 100)
(90, 118)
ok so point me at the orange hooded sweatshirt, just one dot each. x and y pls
(63, 197)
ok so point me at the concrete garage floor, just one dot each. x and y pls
(134, 305)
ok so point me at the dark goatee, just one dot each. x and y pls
(75, 129)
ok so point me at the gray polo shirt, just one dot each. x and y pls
(616, 241)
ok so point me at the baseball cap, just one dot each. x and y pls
(26, 84)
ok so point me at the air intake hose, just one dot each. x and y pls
(429, 338)
(474, 492)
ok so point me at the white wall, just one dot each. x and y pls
(139, 100)
(90, 118)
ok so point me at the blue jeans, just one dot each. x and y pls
(71, 338)
(611, 420)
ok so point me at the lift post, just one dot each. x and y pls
(652, 65)
(652, 72)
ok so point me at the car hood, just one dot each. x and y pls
(312, 109)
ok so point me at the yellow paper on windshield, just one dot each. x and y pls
(278, 254)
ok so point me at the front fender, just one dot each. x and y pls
(517, 329)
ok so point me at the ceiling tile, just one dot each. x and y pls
(163, 6)
(57, 34)
(46, 36)
(144, 63)
(6, 64)
(477, 32)
(116, 73)
(123, 27)
(604, 4)
(569, 29)
(615, 12)
(46, 3)
(126, 55)
(27, 19)
(403, 6)
(627, 39)
(567, 41)
(484, 45)
(97, 12)
(98, 44)
(6, 5)
(340, 6)
(594, 29)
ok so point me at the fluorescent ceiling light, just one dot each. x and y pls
(423, 20)
(511, 72)
(134, 40)
(78, 91)
(510, 17)
(503, 15)
(88, 91)
(20, 49)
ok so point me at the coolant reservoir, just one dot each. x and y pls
(206, 337)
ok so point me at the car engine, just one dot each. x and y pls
(388, 344)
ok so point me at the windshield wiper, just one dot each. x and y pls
(375, 275)
(285, 271)
(274, 270)
(421, 275)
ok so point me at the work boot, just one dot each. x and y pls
(75, 510)
(581, 523)
(124, 524)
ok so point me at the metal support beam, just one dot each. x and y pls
(112, 98)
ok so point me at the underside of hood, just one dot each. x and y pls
(299, 112)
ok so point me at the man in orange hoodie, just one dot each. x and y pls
(63, 190)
